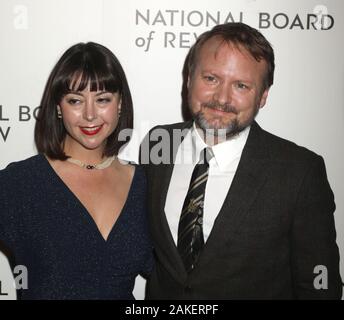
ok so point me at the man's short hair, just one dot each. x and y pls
(242, 36)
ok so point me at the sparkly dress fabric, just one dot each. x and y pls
(44, 227)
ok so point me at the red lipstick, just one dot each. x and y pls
(90, 131)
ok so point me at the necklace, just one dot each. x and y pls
(103, 165)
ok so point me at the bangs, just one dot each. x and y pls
(88, 72)
(81, 80)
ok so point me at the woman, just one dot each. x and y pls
(74, 215)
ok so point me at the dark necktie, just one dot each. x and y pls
(190, 230)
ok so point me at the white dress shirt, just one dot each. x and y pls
(222, 168)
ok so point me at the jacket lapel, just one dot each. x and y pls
(162, 230)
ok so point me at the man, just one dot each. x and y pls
(252, 216)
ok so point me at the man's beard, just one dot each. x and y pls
(221, 132)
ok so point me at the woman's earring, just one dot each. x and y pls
(59, 113)
(119, 112)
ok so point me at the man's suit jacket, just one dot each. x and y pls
(275, 227)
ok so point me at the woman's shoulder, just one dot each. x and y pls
(137, 176)
(135, 169)
(23, 168)
(139, 173)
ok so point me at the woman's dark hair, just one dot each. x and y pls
(240, 35)
(81, 65)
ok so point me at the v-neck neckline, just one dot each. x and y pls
(86, 214)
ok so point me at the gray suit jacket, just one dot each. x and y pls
(275, 227)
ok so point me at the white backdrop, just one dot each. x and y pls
(305, 103)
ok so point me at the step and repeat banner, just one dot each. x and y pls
(151, 39)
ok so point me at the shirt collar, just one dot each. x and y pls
(225, 152)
